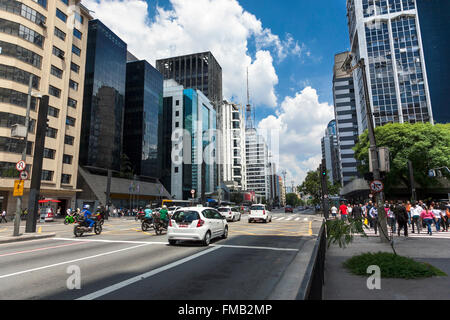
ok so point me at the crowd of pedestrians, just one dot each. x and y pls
(401, 216)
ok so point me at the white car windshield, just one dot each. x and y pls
(224, 209)
(256, 208)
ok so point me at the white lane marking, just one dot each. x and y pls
(275, 218)
(71, 261)
(289, 219)
(297, 219)
(306, 219)
(110, 241)
(125, 283)
(252, 247)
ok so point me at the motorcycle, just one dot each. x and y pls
(147, 224)
(99, 218)
(83, 227)
(159, 225)
(70, 219)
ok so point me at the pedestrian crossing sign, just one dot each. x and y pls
(18, 188)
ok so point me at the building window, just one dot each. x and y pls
(18, 75)
(51, 132)
(78, 17)
(47, 175)
(67, 159)
(56, 72)
(73, 85)
(19, 8)
(42, 3)
(16, 98)
(65, 178)
(74, 67)
(8, 170)
(177, 124)
(49, 153)
(71, 102)
(25, 55)
(60, 34)
(14, 145)
(69, 140)
(177, 102)
(58, 52)
(53, 112)
(70, 121)
(54, 91)
(21, 31)
(76, 50)
(65, 1)
(177, 113)
(77, 33)
(61, 15)
(7, 120)
(176, 169)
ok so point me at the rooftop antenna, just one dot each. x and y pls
(249, 122)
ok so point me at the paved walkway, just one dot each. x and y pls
(341, 285)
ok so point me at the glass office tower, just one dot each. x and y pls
(386, 34)
(104, 98)
(434, 18)
(143, 115)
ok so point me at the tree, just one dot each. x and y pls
(312, 185)
(292, 199)
(425, 145)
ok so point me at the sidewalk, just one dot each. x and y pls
(26, 237)
(341, 285)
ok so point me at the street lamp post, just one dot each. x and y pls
(373, 145)
(24, 157)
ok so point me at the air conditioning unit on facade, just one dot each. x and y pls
(18, 131)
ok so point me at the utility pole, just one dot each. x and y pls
(324, 189)
(382, 219)
(411, 177)
(284, 184)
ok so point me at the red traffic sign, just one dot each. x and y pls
(376, 186)
(24, 175)
(21, 165)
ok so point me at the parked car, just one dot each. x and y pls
(259, 212)
(47, 214)
(288, 209)
(197, 224)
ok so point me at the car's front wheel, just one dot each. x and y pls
(172, 242)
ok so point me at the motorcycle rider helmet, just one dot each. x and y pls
(86, 207)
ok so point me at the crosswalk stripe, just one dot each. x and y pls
(297, 219)
(289, 219)
(282, 218)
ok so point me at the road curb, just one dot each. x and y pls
(26, 237)
(296, 273)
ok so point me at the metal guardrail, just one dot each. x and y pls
(314, 279)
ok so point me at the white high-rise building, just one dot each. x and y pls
(258, 175)
(232, 148)
(386, 33)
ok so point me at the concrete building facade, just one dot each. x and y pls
(48, 40)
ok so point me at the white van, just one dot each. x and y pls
(259, 212)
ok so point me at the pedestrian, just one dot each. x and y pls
(369, 206)
(334, 211)
(428, 217)
(349, 210)
(416, 211)
(408, 210)
(3, 217)
(401, 216)
(444, 220)
(388, 208)
(373, 213)
(343, 211)
(437, 214)
(357, 212)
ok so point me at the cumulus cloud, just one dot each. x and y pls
(301, 122)
(220, 26)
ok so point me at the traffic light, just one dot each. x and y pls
(323, 169)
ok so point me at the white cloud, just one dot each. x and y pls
(220, 26)
(301, 122)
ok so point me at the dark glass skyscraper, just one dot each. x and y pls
(199, 71)
(434, 20)
(143, 116)
(104, 98)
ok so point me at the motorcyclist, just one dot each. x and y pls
(163, 215)
(87, 216)
(148, 213)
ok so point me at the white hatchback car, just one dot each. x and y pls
(231, 214)
(197, 224)
(259, 212)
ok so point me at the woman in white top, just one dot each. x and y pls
(438, 214)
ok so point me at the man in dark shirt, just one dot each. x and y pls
(401, 216)
(357, 211)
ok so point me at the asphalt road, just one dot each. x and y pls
(126, 263)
